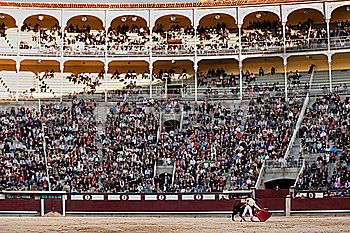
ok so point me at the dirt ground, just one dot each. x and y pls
(171, 224)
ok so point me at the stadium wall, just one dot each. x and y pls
(164, 204)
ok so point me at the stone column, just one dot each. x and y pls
(61, 79)
(285, 64)
(330, 72)
(18, 67)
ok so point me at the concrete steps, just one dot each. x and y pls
(101, 111)
(296, 148)
(331, 169)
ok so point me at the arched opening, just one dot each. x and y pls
(123, 67)
(213, 20)
(302, 65)
(217, 32)
(171, 125)
(84, 76)
(128, 75)
(260, 73)
(84, 23)
(85, 35)
(172, 23)
(263, 74)
(44, 31)
(83, 66)
(218, 75)
(307, 15)
(306, 30)
(341, 70)
(7, 65)
(341, 61)
(172, 35)
(130, 22)
(174, 74)
(39, 66)
(341, 14)
(261, 31)
(164, 179)
(46, 75)
(40, 22)
(279, 184)
(176, 67)
(339, 28)
(261, 20)
(9, 77)
(129, 34)
(6, 23)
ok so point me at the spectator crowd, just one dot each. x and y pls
(325, 132)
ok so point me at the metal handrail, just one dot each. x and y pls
(303, 44)
(260, 175)
(300, 172)
(300, 118)
(284, 164)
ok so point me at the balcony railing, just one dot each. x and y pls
(306, 45)
(340, 42)
(80, 49)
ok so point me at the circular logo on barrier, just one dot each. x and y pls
(198, 197)
(87, 197)
(161, 197)
(311, 195)
(124, 197)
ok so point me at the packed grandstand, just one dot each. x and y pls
(200, 99)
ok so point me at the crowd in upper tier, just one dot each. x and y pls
(256, 36)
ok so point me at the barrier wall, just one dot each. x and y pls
(325, 203)
(19, 204)
(272, 199)
(140, 203)
(198, 203)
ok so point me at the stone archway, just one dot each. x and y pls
(279, 183)
(171, 125)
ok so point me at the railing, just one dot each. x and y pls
(159, 131)
(306, 44)
(165, 161)
(181, 120)
(154, 171)
(260, 175)
(330, 192)
(284, 164)
(300, 118)
(340, 42)
(175, 52)
(158, 92)
(220, 51)
(265, 46)
(173, 174)
(300, 173)
(82, 49)
(185, 48)
(125, 50)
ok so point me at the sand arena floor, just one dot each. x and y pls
(171, 224)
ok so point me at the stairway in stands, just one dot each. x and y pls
(245, 107)
(101, 111)
(332, 167)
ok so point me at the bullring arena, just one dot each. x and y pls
(165, 116)
(172, 224)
